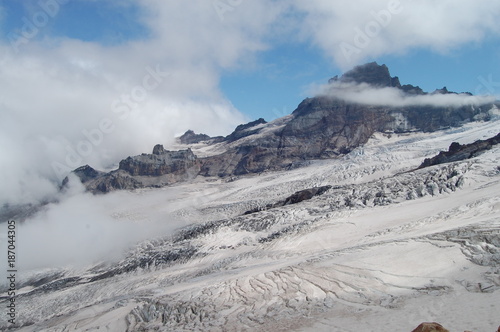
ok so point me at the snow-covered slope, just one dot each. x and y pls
(385, 246)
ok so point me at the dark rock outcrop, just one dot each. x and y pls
(371, 73)
(85, 174)
(299, 196)
(116, 180)
(190, 137)
(158, 149)
(442, 91)
(161, 162)
(430, 327)
(321, 127)
(326, 127)
(306, 194)
(158, 169)
(457, 152)
(245, 130)
(412, 90)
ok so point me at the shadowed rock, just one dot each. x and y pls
(245, 130)
(299, 196)
(85, 174)
(190, 137)
(160, 162)
(430, 327)
(158, 169)
(322, 127)
(457, 152)
(371, 73)
(306, 194)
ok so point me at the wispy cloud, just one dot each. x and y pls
(57, 92)
(69, 102)
(374, 28)
(57, 89)
(393, 97)
(82, 229)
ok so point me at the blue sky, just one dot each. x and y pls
(91, 82)
(280, 76)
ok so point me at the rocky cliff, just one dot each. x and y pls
(190, 137)
(161, 162)
(457, 151)
(322, 127)
(327, 126)
(160, 168)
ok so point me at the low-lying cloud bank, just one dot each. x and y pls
(83, 229)
(394, 97)
(68, 102)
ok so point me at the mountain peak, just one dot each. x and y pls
(190, 137)
(371, 73)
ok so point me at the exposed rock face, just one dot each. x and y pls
(190, 137)
(321, 127)
(158, 149)
(299, 196)
(85, 174)
(158, 169)
(306, 194)
(161, 162)
(116, 180)
(245, 130)
(430, 327)
(370, 73)
(413, 90)
(326, 127)
(458, 152)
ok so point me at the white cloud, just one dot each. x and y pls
(58, 95)
(393, 97)
(83, 229)
(55, 89)
(351, 32)
(64, 101)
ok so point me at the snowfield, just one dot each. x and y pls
(387, 246)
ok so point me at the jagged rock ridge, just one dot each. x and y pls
(320, 128)
(190, 137)
(161, 162)
(457, 152)
(158, 169)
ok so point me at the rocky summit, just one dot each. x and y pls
(322, 127)
(158, 169)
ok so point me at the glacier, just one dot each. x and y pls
(387, 245)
